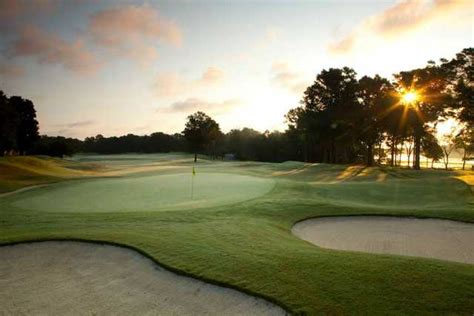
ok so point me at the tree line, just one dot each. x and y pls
(341, 119)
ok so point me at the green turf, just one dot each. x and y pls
(248, 244)
(146, 193)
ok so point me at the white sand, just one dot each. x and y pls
(430, 238)
(74, 278)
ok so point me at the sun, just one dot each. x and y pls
(409, 97)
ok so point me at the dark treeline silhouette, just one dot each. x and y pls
(57, 146)
(249, 144)
(18, 125)
(341, 119)
(154, 143)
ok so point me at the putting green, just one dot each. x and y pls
(147, 193)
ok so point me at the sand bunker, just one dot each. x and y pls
(64, 278)
(430, 238)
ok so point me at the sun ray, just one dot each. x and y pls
(410, 97)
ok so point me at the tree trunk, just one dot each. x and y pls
(370, 155)
(464, 159)
(306, 152)
(409, 150)
(417, 151)
(432, 163)
(334, 153)
(392, 152)
(400, 155)
(391, 155)
(446, 159)
(195, 157)
(380, 154)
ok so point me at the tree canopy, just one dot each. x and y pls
(201, 132)
(18, 125)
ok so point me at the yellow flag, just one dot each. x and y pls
(194, 171)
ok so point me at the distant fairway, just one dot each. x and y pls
(146, 193)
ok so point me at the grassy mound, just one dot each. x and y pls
(17, 172)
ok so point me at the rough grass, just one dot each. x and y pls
(248, 245)
(19, 172)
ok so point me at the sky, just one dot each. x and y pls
(119, 67)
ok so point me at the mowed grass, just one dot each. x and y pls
(146, 193)
(248, 244)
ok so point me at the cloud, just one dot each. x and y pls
(284, 77)
(78, 124)
(195, 104)
(172, 84)
(142, 128)
(267, 38)
(48, 48)
(12, 9)
(133, 31)
(212, 75)
(169, 84)
(11, 70)
(403, 17)
(70, 129)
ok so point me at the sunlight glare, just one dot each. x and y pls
(409, 97)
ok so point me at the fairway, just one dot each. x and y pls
(236, 231)
(396, 193)
(146, 193)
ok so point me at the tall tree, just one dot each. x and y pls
(393, 125)
(326, 116)
(27, 129)
(460, 73)
(373, 95)
(431, 86)
(8, 125)
(431, 148)
(448, 146)
(465, 141)
(201, 131)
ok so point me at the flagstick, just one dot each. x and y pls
(192, 187)
(192, 184)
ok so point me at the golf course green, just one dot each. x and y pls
(235, 228)
(146, 193)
